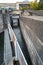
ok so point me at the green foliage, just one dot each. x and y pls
(23, 8)
(41, 5)
(34, 5)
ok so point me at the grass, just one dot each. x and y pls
(41, 10)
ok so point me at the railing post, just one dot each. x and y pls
(16, 54)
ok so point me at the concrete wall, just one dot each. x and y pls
(35, 25)
(33, 36)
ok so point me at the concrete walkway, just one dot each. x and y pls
(39, 18)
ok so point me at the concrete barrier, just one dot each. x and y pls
(35, 12)
(7, 48)
(33, 42)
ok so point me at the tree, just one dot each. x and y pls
(24, 8)
(34, 5)
(41, 4)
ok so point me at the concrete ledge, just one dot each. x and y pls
(38, 18)
(36, 12)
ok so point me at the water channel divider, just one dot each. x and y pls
(18, 52)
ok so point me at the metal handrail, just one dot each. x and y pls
(18, 52)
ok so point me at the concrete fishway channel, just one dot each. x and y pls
(21, 41)
(8, 48)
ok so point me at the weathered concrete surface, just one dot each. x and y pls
(7, 48)
(1, 23)
(31, 30)
(5, 21)
(35, 23)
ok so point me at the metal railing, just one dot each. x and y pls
(18, 52)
